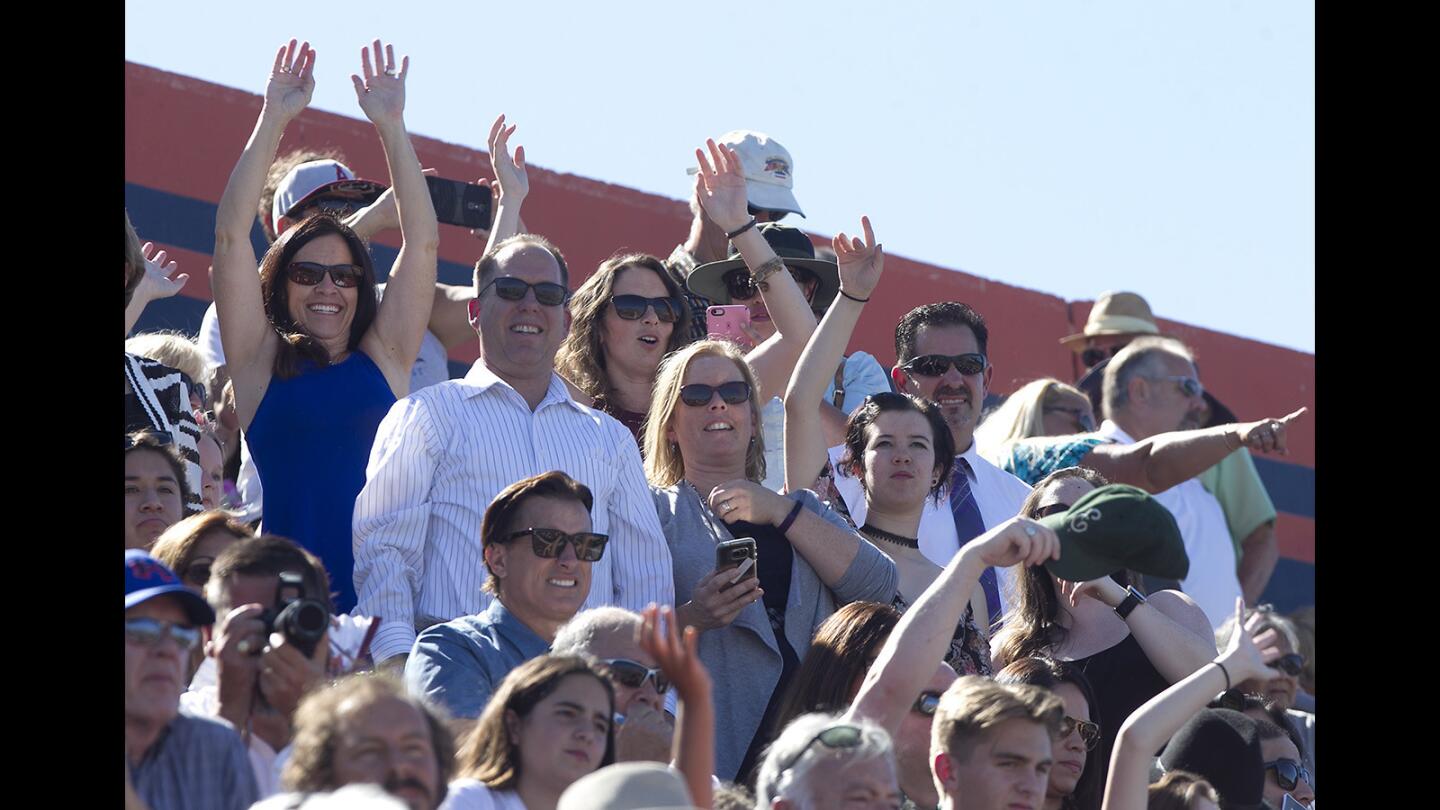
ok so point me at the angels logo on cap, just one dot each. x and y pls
(778, 167)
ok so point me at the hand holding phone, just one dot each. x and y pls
(729, 322)
(736, 559)
(460, 203)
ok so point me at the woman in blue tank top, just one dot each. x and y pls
(316, 363)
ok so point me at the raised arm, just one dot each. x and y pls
(1151, 725)
(923, 635)
(721, 191)
(510, 178)
(154, 285)
(861, 266)
(1166, 459)
(694, 751)
(244, 329)
(1170, 628)
(404, 312)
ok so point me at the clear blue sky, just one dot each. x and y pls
(1071, 147)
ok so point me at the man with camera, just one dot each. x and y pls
(268, 646)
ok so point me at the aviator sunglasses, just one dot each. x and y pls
(1089, 732)
(150, 632)
(699, 395)
(935, 365)
(549, 543)
(547, 293)
(632, 308)
(308, 274)
(741, 285)
(633, 674)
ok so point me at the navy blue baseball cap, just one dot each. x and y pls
(147, 578)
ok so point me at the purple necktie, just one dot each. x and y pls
(968, 526)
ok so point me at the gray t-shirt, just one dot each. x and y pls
(196, 764)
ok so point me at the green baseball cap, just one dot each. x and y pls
(1115, 527)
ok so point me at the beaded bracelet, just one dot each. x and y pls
(766, 270)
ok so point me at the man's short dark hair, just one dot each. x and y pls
(945, 313)
(268, 555)
(486, 267)
(501, 511)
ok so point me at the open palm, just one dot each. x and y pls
(509, 169)
(861, 263)
(720, 187)
(292, 80)
(382, 90)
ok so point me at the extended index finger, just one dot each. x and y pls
(869, 232)
(1295, 414)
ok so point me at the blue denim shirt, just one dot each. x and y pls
(459, 663)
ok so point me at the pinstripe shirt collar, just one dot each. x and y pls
(480, 379)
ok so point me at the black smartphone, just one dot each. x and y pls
(460, 203)
(737, 554)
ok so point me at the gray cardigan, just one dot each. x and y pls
(743, 658)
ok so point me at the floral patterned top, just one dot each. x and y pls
(1033, 459)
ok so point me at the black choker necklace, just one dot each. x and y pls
(880, 534)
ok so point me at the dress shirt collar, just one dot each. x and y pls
(968, 461)
(1110, 430)
(480, 379)
(515, 631)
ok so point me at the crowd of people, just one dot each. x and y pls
(632, 560)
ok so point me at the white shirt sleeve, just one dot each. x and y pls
(641, 570)
(392, 516)
(209, 338)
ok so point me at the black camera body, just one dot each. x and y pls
(302, 621)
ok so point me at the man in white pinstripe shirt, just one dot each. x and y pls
(444, 452)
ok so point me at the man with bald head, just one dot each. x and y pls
(444, 452)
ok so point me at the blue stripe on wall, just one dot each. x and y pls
(1291, 486)
(1291, 586)
(188, 223)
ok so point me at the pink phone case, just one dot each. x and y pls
(727, 322)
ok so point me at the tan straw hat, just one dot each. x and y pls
(1115, 313)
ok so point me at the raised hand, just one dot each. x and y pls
(742, 499)
(509, 171)
(382, 91)
(720, 188)
(292, 80)
(1018, 540)
(1268, 435)
(861, 264)
(157, 283)
(1242, 658)
(1103, 589)
(680, 661)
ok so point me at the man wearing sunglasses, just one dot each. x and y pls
(820, 760)
(610, 635)
(1117, 319)
(444, 452)
(538, 550)
(175, 760)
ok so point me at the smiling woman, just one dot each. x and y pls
(315, 363)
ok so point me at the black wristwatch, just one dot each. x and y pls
(1135, 598)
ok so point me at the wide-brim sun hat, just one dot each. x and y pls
(1114, 313)
(791, 245)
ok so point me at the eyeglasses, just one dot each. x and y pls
(1189, 386)
(308, 274)
(1094, 356)
(150, 632)
(633, 674)
(1089, 732)
(926, 704)
(632, 308)
(741, 286)
(549, 543)
(1047, 511)
(547, 293)
(1291, 664)
(832, 737)
(1288, 773)
(197, 573)
(698, 395)
(162, 437)
(935, 365)
(1082, 417)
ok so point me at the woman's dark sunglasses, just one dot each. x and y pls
(698, 395)
(632, 308)
(308, 274)
(632, 674)
(742, 287)
(935, 365)
(926, 704)
(549, 543)
(1089, 732)
(1081, 416)
(1291, 664)
(832, 737)
(197, 573)
(1288, 773)
(547, 293)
